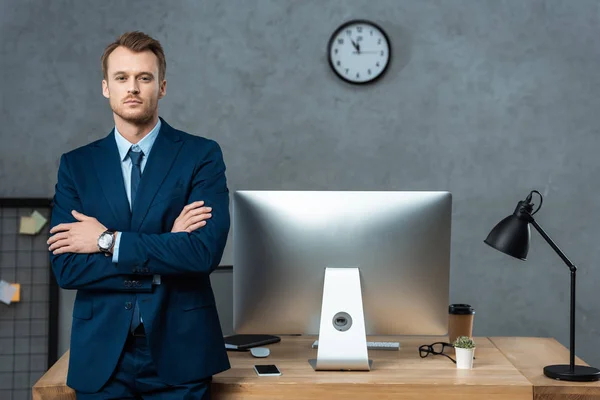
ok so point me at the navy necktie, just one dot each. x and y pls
(136, 172)
(136, 176)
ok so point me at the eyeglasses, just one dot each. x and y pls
(436, 348)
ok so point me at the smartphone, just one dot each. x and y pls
(267, 370)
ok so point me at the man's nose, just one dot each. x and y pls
(134, 88)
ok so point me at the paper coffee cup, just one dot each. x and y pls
(460, 321)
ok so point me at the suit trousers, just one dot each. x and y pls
(135, 378)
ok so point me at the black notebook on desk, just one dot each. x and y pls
(245, 342)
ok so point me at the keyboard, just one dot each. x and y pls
(372, 345)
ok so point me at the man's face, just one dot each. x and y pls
(132, 85)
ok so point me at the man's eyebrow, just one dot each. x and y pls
(141, 73)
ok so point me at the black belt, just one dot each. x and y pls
(139, 331)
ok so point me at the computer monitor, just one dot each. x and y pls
(285, 241)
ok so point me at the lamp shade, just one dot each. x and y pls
(511, 236)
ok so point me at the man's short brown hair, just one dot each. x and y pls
(137, 41)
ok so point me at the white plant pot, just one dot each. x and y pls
(464, 358)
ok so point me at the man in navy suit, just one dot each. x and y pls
(140, 220)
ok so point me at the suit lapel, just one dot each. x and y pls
(163, 154)
(107, 163)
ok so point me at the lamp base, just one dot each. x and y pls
(579, 374)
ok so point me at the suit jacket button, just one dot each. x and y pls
(128, 305)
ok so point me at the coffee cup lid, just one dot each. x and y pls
(461, 309)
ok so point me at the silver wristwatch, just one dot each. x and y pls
(106, 241)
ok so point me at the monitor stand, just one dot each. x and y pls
(342, 335)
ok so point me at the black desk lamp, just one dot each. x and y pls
(511, 236)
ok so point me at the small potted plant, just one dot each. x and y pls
(464, 348)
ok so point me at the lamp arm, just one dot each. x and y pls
(562, 255)
(573, 270)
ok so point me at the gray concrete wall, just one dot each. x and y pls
(487, 99)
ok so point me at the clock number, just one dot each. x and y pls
(371, 32)
(340, 41)
(357, 75)
(348, 32)
(359, 29)
(335, 51)
(381, 53)
(378, 41)
(338, 63)
(377, 64)
(347, 70)
(369, 71)
(359, 39)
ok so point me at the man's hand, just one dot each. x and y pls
(76, 237)
(192, 217)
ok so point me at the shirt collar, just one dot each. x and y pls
(145, 144)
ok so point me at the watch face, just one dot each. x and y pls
(105, 240)
(359, 51)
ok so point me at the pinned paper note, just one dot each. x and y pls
(33, 224)
(28, 226)
(7, 292)
(17, 296)
(40, 220)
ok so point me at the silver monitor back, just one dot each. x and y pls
(284, 240)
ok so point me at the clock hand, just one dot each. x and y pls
(365, 52)
(356, 45)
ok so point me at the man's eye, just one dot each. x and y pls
(120, 78)
(145, 78)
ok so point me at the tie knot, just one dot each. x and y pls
(136, 156)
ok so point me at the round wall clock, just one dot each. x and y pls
(359, 51)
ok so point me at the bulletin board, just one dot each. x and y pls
(29, 323)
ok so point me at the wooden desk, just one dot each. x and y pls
(505, 368)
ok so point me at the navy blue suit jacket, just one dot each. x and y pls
(180, 317)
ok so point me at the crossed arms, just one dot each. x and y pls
(186, 250)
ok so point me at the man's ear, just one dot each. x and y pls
(105, 91)
(162, 90)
